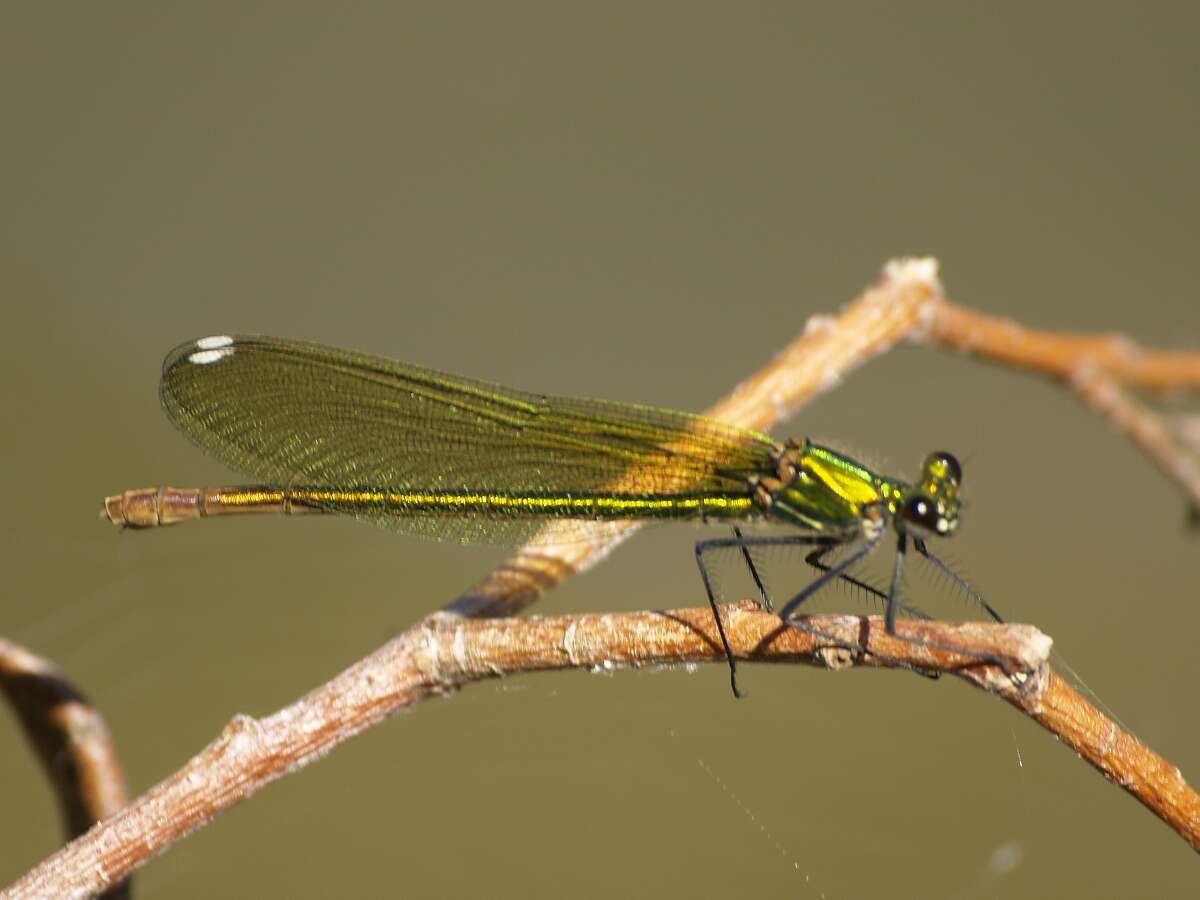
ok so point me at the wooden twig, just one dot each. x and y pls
(70, 739)
(1118, 755)
(1096, 366)
(1058, 354)
(1145, 428)
(443, 653)
(1187, 428)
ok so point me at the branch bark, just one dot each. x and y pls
(445, 652)
(1146, 429)
(1059, 354)
(1097, 367)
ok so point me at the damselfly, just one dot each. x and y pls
(451, 458)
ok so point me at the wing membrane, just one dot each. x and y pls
(298, 414)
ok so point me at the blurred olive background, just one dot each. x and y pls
(635, 201)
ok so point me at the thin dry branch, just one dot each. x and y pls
(1188, 430)
(1118, 755)
(70, 739)
(1059, 354)
(1146, 429)
(445, 652)
(1096, 366)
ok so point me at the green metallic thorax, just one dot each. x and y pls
(821, 489)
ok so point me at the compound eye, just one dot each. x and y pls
(947, 463)
(926, 515)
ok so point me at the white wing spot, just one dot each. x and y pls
(204, 357)
(215, 342)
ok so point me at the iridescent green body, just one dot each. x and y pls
(452, 458)
(457, 459)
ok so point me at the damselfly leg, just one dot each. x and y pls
(829, 572)
(746, 545)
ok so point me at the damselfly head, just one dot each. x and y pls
(943, 466)
(931, 507)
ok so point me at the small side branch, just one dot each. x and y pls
(71, 741)
(1145, 428)
(1097, 366)
(1060, 354)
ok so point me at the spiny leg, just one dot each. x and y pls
(957, 579)
(816, 559)
(712, 602)
(840, 571)
(897, 577)
(758, 582)
(743, 543)
(893, 601)
(830, 573)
